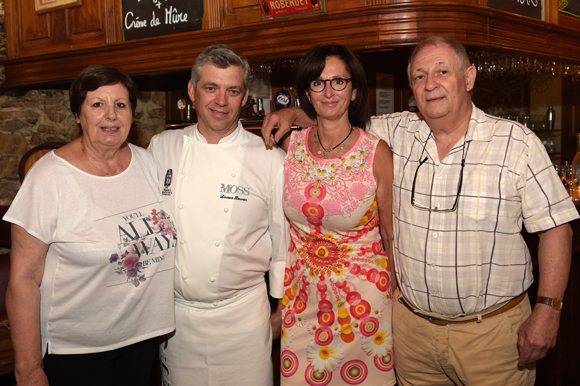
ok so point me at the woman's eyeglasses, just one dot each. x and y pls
(337, 84)
(436, 209)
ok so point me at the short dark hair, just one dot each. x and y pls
(221, 56)
(95, 76)
(312, 65)
(462, 56)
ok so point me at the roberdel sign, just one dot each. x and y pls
(273, 9)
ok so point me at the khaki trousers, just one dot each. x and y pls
(478, 354)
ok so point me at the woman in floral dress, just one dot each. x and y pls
(337, 303)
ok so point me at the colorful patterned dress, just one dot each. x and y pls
(337, 303)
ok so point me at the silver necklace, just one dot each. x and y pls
(325, 150)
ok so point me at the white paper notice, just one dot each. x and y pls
(385, 94)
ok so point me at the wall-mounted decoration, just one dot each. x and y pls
(149, 18)
(530, 8)
(570, 7)
(43, 6)
(274, 9)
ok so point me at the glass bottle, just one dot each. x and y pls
(550, 118)
(551, 148)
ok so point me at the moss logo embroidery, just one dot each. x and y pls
(233, 192)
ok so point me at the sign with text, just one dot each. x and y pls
(530, 8)
(273, 9)
(570, 7)
(148, 18)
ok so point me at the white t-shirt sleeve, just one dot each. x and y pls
(35, 207)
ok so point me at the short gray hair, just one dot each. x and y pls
(221, 56)
(459, 49)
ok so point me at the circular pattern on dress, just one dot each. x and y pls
(383, 281)
(323, 336)
(299, 306)
(311, 209)
(372, 275)
(323, 254)
(288, 277)
(313, 191)
(325, 305)
(315, 378)
(369, 326)
(354, 372)
(289, 318)
(362, 309)
(385, 363)
(353, 298)
(288, 363)
(325, 318)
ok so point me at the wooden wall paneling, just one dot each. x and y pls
(87, 20)
(551, 11)
(113, 21)
(240, 12)
(29, 34)
(213, 14)
(33, 29)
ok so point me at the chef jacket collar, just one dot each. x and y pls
(229, 139)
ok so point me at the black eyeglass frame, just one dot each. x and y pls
(346, 80)
(421, 162)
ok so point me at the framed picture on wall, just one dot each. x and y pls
(43, 6)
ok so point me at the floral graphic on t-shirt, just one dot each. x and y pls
(162, 220)
(129, 263)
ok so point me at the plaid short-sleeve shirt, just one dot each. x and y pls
(465, 261)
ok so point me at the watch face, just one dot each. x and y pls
(556, 304)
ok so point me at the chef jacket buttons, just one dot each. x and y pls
(215, 304)
(184, 277)
(212, 279)
(180, 206)
(233, 175)
(182, 242)
(226, 210)
(240, 146)
(217, 243)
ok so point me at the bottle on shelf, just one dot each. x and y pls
(260, 108)
(550, 118)
(551, 148)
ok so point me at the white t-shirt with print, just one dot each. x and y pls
(108, 277)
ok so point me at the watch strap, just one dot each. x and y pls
(555, 303)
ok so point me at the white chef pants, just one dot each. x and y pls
(227, 343)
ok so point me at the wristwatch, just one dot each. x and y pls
(555, 303)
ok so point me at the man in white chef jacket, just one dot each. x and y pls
(225, 189)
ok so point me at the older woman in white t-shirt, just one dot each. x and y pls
(91, 281)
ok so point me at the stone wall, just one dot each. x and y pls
(33, 117)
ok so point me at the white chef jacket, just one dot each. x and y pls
(227, 204)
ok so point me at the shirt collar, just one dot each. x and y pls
(229, 139)
(477, 130)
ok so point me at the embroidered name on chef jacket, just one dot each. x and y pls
(233, 192)
(168, 180)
